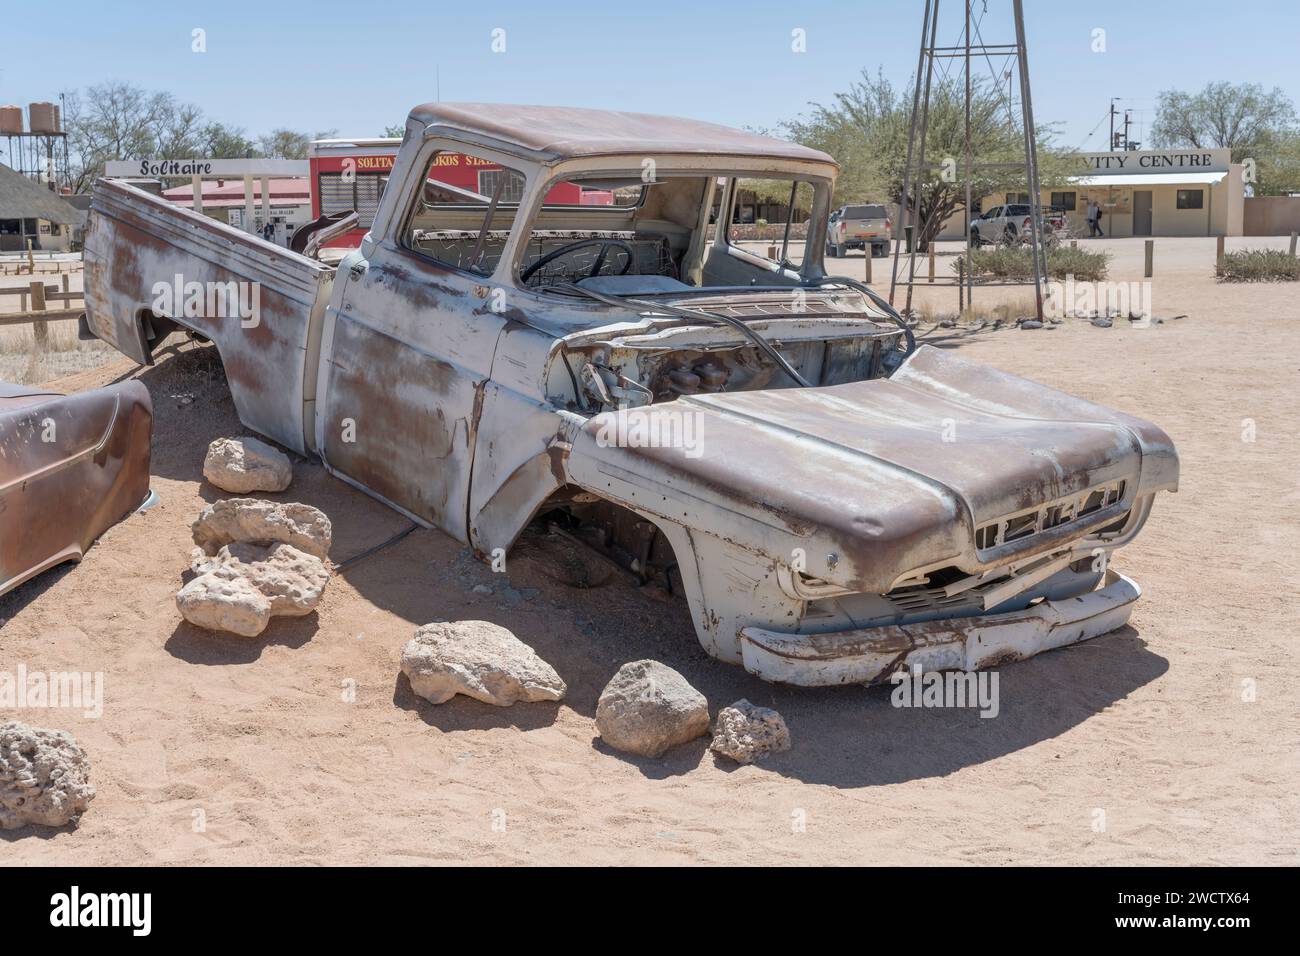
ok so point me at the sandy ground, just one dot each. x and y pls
(1137, 747)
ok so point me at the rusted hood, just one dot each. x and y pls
(877, 478)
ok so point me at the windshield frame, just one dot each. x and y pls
(821, 176)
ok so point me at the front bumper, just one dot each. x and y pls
(871, 655)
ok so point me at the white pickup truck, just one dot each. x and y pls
(542, 323)
(859, 227)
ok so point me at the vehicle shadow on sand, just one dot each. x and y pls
(857, 737)
(846, 737)
(853, 737)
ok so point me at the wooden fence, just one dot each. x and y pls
(38, 304)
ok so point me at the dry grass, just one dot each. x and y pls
(980, 314)
(24, 361)
(28, 359)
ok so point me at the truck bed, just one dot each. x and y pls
(141, 250)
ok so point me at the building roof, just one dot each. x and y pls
(1150, 179)
(219, 193)
(22, 198)
(562, 132)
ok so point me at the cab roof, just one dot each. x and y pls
(554, 133)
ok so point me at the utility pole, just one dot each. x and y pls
(1112, 122)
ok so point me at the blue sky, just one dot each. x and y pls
(727, 62)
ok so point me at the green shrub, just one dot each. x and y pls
(1258, 265)
(1015, 262)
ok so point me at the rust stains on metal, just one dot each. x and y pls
(71, 466)
(555, 133)
(387, 425)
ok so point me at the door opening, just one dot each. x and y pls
(1141, 212)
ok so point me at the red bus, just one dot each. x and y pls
(349, 174)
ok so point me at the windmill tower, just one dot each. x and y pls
(1005, 63)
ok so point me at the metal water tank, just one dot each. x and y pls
(11, 120)
(43, 117)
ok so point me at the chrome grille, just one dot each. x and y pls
(913, 600)
(1054, 514)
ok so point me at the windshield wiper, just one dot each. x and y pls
(763, 344)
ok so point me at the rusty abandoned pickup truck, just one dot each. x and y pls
(544, 323)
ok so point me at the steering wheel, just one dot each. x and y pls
(564, 250)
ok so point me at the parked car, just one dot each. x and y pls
(857, 227)
(71, 466)
(833, 502)
(1010, 224)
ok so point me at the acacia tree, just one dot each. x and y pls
(1258, 125)
(226, 142)
(120, 121)
(866, 129)
(289, 144)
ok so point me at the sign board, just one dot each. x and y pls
(186, 168)
(1158, 161)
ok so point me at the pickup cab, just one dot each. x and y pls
(544, 324)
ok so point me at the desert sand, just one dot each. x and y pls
(1141, 746)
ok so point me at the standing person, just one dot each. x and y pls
(1094, 219)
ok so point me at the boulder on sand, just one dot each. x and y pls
(745, 732)
(263, 522)
(244, 585)
(648, 707)
(44, 777)
(243, 465)
(477, 659)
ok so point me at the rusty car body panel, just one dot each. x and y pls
(71, 466)
(844, 501)
(138, 243)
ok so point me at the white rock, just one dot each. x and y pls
(244, 585)
(243, 465)
(44, 777)
(477, 659)
(648, 707)
(745, 732)
(222, 601)
(263, 522)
